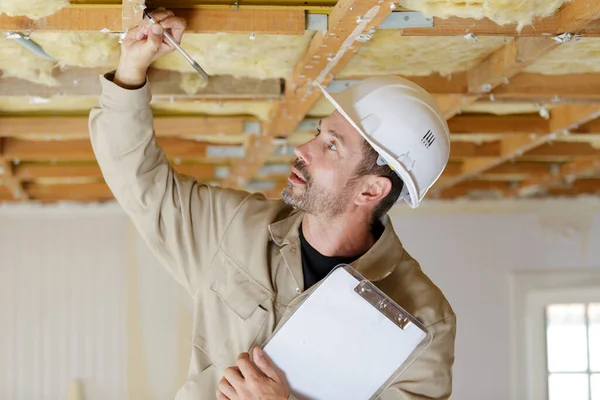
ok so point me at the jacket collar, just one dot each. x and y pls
(376, 264)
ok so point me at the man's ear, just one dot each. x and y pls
(373, 190)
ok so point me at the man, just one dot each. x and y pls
(248, 261)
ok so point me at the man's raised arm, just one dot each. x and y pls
(180, 220)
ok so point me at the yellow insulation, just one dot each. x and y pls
(33, 9)
(575, 57)
(520, 12)
(259, 109)
(82, 105)
(80, 49)
(265, 56)
(499, 108)
(18, 62)
(388, 52)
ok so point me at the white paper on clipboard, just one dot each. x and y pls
(340, 344)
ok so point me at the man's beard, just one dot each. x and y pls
(315, 199)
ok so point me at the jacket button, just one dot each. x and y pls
(298, 290)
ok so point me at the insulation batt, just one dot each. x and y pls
(80, 49)
(267, 56)
(18, 62)
(575, 57)
(32, 9)
(388, 52)
(520, 12)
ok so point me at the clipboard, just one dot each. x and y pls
(347, 340)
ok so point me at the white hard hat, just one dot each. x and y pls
(404, 124)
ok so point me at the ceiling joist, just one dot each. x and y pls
(61, 128)
(563, 119)
(165, 86)
(200, 20)
(565, 174)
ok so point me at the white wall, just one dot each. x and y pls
(471, 250)
(82, 298)
(86, 312)
(62, 312)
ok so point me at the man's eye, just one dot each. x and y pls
(332, 146)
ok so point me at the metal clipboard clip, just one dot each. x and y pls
(369, 292)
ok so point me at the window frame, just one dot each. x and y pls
(531, 292)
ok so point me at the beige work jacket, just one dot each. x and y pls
(238, 254)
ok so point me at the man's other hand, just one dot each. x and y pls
(247, 382)
(144, 44)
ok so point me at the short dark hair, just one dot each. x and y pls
(368, 166)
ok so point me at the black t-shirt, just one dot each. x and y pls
(316, 266)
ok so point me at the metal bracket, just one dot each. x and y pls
(316, 22)
(252, 127)
(226, 151)
(406, 19)
(339, 85)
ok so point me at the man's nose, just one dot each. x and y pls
(303, 153)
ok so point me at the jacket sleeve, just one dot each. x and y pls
(430, 375)
(180, 220)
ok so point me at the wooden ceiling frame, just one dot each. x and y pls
(60, 127)
(9, 179)
(213, 17)
(565, 174)
(113, 18)
(509, 61)
(328, 53)
(165, 86)
(519, 53)
(563, 120)
(462, 89)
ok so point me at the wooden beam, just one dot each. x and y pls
(562, 119)
(452, 104)
(578, 14)
(29, 173)
(508, 61)
(579, 187)
(503, 64)
(41, 128)
(503, 172)
(590, 127)
(455, 26)
(199, 20)
(566, 173)
(81, 150)
(164, 84)
(541, 88)
(434, 83)
(6, 194)
(11, 181)
(65, 192)
(132, 13)
(57, 128)
(473, 188)
(523, 87)
(509, 124)
(519, 53)
(327, 55)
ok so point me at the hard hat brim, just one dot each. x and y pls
(412, 197)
